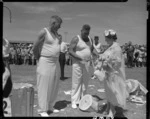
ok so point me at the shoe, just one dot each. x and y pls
(52, 111)
(94, 77)
(74, 106)
(62, 78)
(44, 114)
(55, 111)
(39, 111)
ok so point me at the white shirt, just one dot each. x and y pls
(97, 47)
(50, 46)
(83, 50)
(63, 47)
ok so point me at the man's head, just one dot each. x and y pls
(129, 43)
(96, 39)
(55, 22)
(85, 31)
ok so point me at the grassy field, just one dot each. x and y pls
(27, 74)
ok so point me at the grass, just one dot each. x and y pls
(27, 74)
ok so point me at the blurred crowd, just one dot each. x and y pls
(135, 55)
(21, 53)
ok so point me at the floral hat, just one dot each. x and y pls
(110, 34)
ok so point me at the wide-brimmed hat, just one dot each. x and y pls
(109, 32)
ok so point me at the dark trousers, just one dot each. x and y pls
(62, 61)
(136, 63)
(19, 60)
(130, 61)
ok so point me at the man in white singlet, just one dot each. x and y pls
(80, 50)
(46, 50)
(97, 51)
(97, 44)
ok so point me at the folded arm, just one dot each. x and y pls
(37, 43)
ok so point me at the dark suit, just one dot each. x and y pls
(130, 51)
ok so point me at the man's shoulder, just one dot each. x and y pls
(99, 44)
(42, 31)
(75, 39)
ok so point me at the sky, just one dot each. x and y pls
(128, 19)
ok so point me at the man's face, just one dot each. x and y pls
(55, 25)
(96, 40)
(85, 33)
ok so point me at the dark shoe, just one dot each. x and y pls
(52, 111)
(62, 78)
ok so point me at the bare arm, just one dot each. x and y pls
(72, 48)
(92, 47)
(39, 40)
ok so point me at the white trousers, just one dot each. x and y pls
(80, 79)
(48, 74)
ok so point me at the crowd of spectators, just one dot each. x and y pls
(135, 55)
(21, 53)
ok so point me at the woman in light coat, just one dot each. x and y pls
(113, 65)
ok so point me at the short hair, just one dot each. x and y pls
(86, 27)
(57, 18)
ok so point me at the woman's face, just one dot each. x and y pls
(109, 41)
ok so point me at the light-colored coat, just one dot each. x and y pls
(114, 82)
